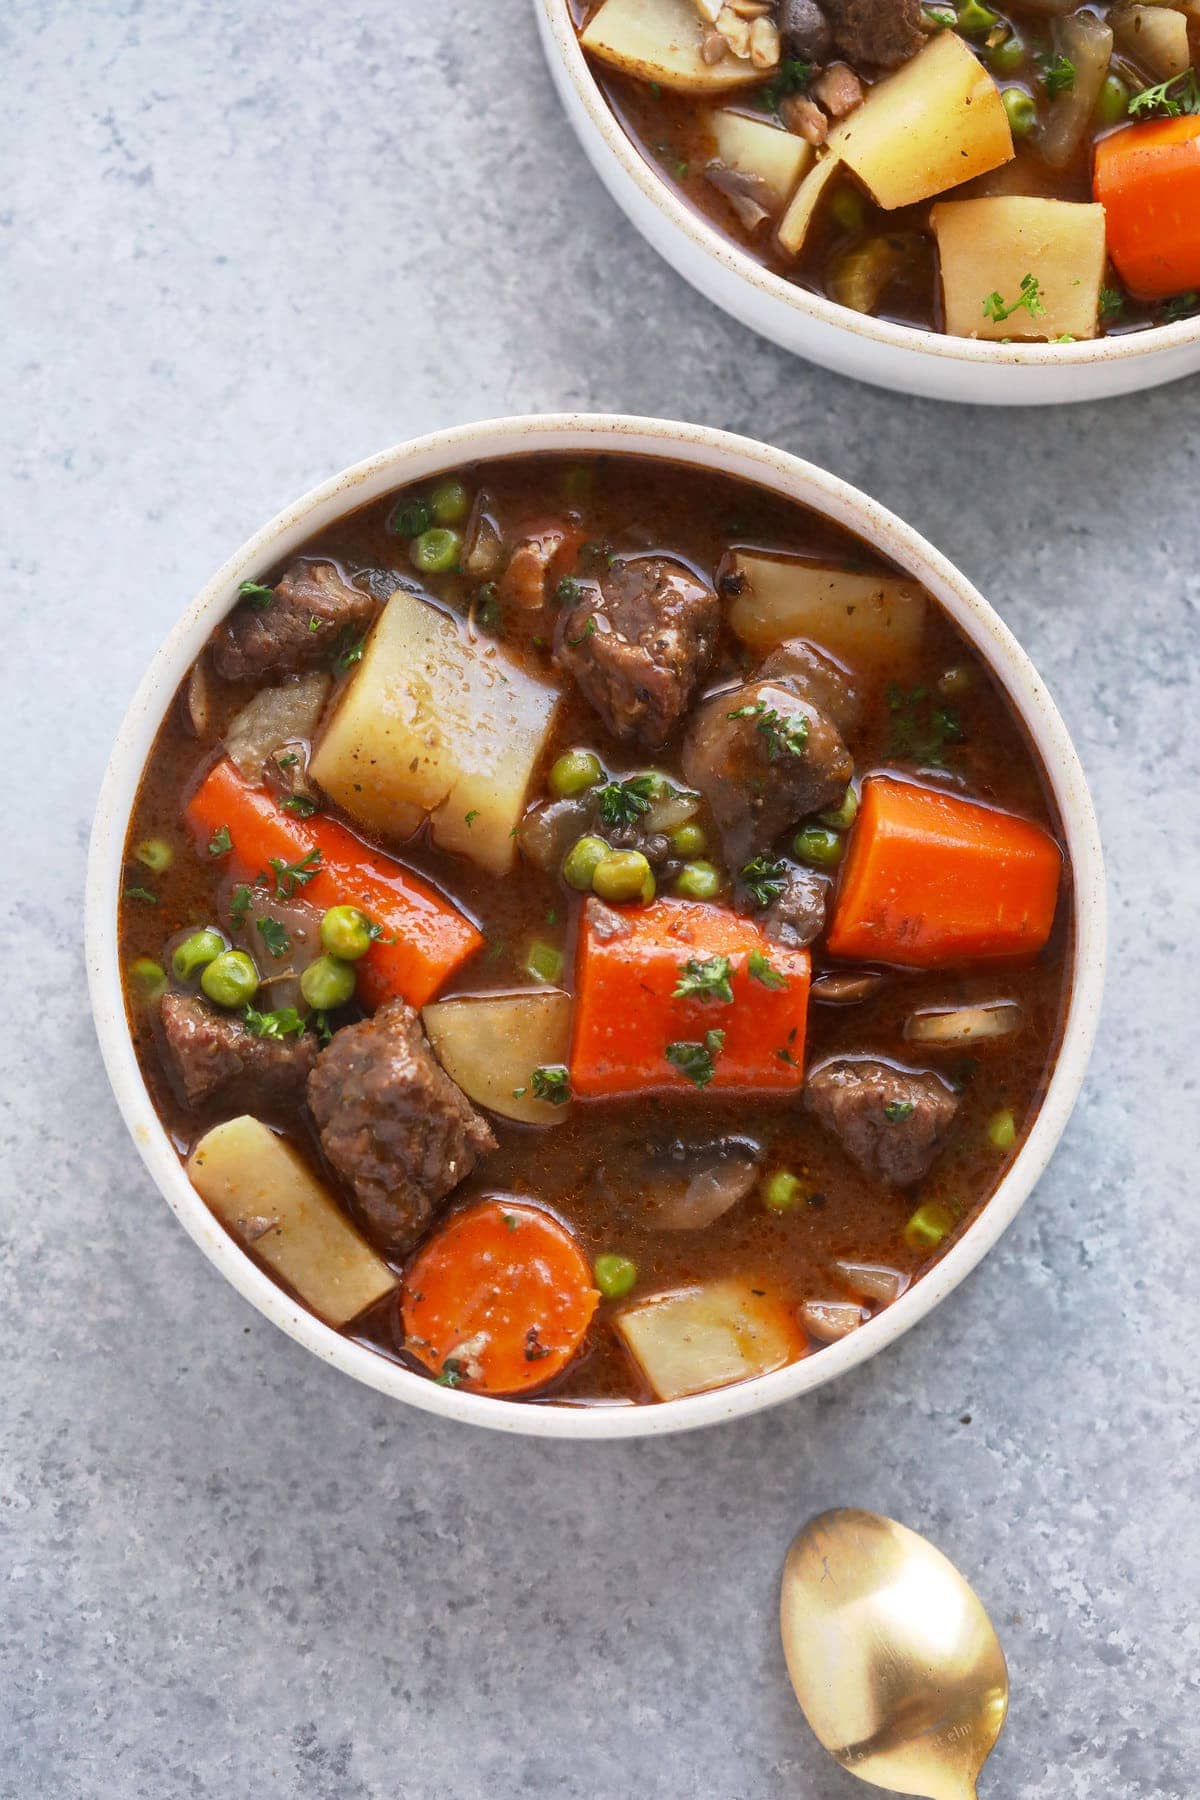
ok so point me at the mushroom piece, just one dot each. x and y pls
(830, 1320)
(871, 1281)
(682, 1186)
(849, 987)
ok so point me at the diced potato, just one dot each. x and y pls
(990, 246)
(868, 620)
(705, 1337)
(936, 122)
(434, 724)
(778, 158)
(268, 1197)
(659, 40)
(491, 1045)
(1154, 36)
(796, 222)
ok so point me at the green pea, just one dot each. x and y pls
(582, 861)
(817, 845)
(573, 773)
(231, 979)
(195, 953)
(155, 854)
(1002, 1129)
(780, 1191)
(842, 816)
(346, 933)
(327, 983)
(848, 209)
(623, 875)
(436, 551)
(1113, 104)
(544, 962)
(450, 501)
(698, 881)
(614, 1275)
(928, 1226)
(148, 977)
(1008, 57)
(1021, 110)
(975, 20)
(688, 840)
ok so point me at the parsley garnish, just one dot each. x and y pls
(471, 817)
(141, 893)
(568, 591)
(704, 980)
(896, 1110)
(587, 632)
(624, 802)
(220, 843)
(303, 805)
(256, 595)
(781, 734)
(489, 614)
(698, 1061)
(552, 1084)
(314, 624)
(1058, 77)
(274, 936)
(1178, 307)
(920, 731)
(765, 878)
(1170, 98)
(278, 1025)
(451, 1375)
(320, 1024)
(791, 77)
(348, 650)
(411, 518)
(239, 905)
(1112, 304)
(1030, 298)
(290, 876)
(760, 969)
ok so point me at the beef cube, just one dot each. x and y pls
(214, 1055)
(891, 1121)
(311, 607)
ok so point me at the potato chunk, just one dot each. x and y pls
(777, 157)
(936, 122)
(434, 724)
(990, 246)
(706, 1337)
(268, 1197)
(659, 40)
(870, 621)
(797, 221)
(492, 1044)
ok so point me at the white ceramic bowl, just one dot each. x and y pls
(583, 433)
(892, 356)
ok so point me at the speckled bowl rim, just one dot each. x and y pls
(582, 433)
(706, 238)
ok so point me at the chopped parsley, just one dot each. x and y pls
(568, 591)
(239, 904)
(452, 1374)
(348, 650)
(552, 1084)
(487, 610)
(1169, 99)
(303, 805)
(765, 878)
(220, 843)
(274, 936)
(587, 632)
(314, 624)
(1180, 306)
(697, 1061)
(759, 968)
(921, 731)
(1029, 299)
(320, 1024)
(141, 893)
(704, 980)
(1058, 77)
(470, 818)
(290, 876)
(791, 77)
(256, 594)
(894, 1111)
(411, 518)
(1112, 304)
(624, 802)
(782, 735)
(284, 1023)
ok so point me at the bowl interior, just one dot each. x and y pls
(688, 444)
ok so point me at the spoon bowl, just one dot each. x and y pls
(893, 1659)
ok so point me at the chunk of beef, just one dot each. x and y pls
(392, 1122)
(797, 916)
(525, 581)
(805, 30)
(214, 1054)
(809, 672)
(281, 638)
(838, 89)
(879, 32)
(637, 642)
(891, 1121)
(763, 758)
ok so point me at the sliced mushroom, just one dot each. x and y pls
(830, 1320)
(199, 707)
(848, 987)
(951, 1028)
(485, 545)
(749, 195)
(682, 1186)
(547, 831)
(873, 1281)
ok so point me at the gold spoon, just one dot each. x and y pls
(893, 1659)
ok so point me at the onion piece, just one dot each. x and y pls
(847, 988)
(950, 1028)
(873, 1281)
(276, 716)
(1087, 43)
(831, 1320)
(199, 701)
(675, 807)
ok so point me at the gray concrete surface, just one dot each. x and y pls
(241, 248)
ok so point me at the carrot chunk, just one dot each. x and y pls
(1147, 178)
(432, 938)
(634, 1034)
(931, 880)
(499, 1300)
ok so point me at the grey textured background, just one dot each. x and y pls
(242, 247)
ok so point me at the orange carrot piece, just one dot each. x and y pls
(432, 937)
(1147, 178)
(499, 1300)
(626, 1012)
(931, 880)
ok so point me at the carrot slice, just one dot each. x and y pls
(627, 1012)
(931, 880)
(1147, 178)
(499, 1300)
(432, 938)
